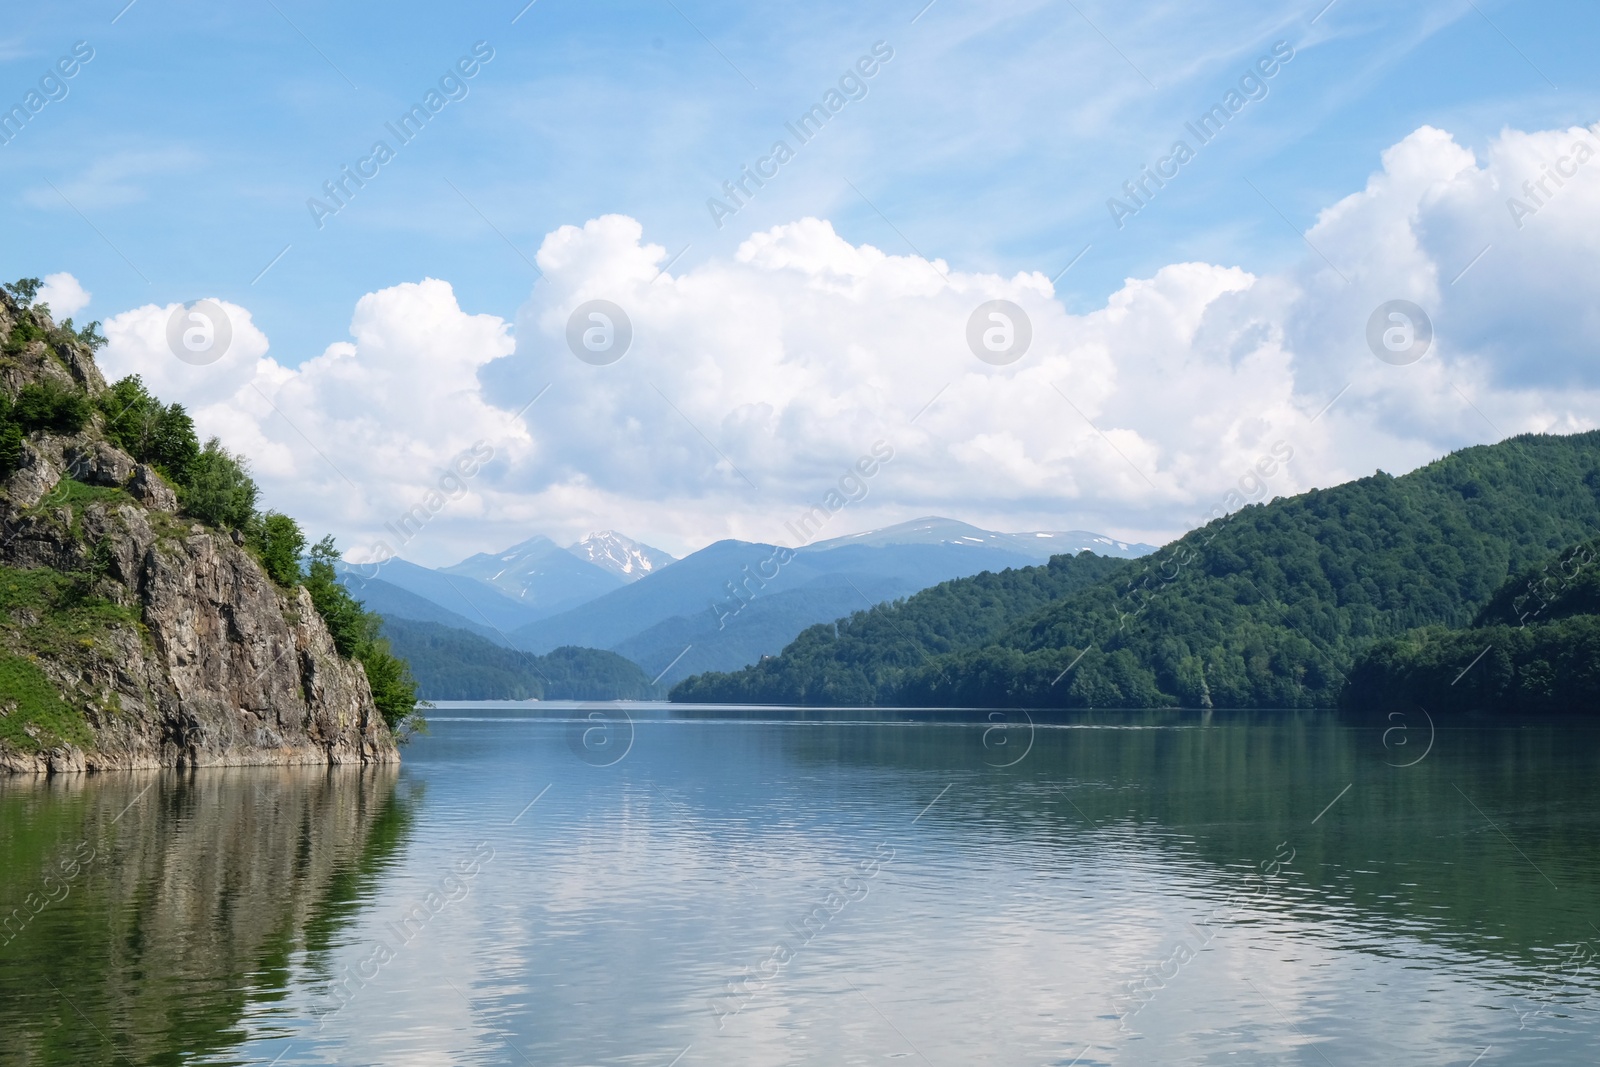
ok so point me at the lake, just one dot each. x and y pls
(661, 885)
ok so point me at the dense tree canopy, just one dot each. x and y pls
(1268, 607)
(1534, 648)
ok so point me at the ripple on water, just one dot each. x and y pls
(762, 890)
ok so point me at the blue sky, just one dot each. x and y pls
(180, 162)
(992, 139)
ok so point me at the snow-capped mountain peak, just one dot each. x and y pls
(1036, 544)
(628, 559)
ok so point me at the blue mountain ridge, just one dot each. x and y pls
(720, 608)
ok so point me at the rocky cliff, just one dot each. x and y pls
(131, 636)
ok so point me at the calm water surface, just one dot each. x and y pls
(555, 884)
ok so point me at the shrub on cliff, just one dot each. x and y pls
(22, 334)
(10, 444)
(279, 543)
(48, 406)
(355, 633)
(148, 430)
(217, 488)
(40, 406)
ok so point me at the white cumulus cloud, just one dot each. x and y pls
(64, 295)
(353, 439)
(753, 383)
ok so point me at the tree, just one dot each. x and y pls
(24, 290)
(217, 488)
(355, 635)
(279, 542)
(148, 430)
(89, 337)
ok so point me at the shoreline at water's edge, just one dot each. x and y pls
(73, 760)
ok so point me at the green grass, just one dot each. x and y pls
(58, 617)
(32, 590)
(78, 496)
(28, 699)
(44, 613)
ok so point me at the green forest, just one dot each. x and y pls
(1533, 649)
(1293, 603)
(452, 664)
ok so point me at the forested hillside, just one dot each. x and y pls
(1534, 649)
(451, 664)
(855, 659)
(1268, 607)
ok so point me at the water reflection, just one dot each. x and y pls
(145, 914)
(740, 886)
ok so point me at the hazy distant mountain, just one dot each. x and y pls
(717, 609)
(540, 575)
(683, 645)
(1038, 546)
(393, 602)
(476, 601)
(494, 593)
(689, 585)
(731, 603)
(624, 557)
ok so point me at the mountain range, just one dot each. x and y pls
(543, 576)
(1467, 584)
(717, 609)
(494, 593)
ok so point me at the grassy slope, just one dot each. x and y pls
(45, 614)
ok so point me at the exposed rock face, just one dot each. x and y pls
(97, 463)
(38, 472)
(225, 669)
(152, 492)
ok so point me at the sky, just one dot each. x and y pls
(408, 357)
